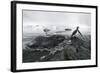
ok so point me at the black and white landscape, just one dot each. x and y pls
(56, 36)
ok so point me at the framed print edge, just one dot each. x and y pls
(14, 35)
(96, 36)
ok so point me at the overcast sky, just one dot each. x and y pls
(36, 21)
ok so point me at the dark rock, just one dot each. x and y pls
(47, 42)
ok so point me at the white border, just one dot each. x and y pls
(21, 65)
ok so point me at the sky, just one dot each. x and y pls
(36, 21)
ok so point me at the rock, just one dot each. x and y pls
(47, 42)
(64, 49)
